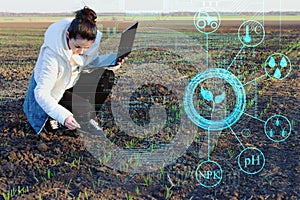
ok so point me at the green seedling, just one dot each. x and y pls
(44, 179)
(36, 179)
(106, 158)
(22, 190)
(39, 170)
(90, 171)
(56, 192)
(161, 172)
(131, 144)
(230, 153)
(98, 183)
(48, 173)
(69, 183)
(168, 192)
(79, 196)
(129, 196)
(6, 196)
(86, 195)
(148, 181)
(137, 191)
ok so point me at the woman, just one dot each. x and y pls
(68, 47)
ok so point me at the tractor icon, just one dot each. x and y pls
(203, 19)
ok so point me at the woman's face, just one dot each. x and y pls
(79, 45)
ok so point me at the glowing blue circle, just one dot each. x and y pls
(282, 56)
(284, 138)
(215, 124)
(246, 132)
(250, 43)
(249, 149)
(207, 163)
(203, 19)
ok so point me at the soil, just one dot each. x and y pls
(59, 166)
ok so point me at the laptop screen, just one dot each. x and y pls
(127, 39)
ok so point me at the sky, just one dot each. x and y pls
(102, 6)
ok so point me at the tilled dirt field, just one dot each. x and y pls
(59, 166)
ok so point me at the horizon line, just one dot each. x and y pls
(143, 12)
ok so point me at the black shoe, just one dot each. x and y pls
(55, 127)
(68, 132)
(51, 126)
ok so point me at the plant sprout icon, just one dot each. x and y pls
(283, 63)
(208, 96)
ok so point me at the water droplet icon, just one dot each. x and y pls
(272, 62)
(277, 122)
(283, 62)
(277, 73)
(283, 133)
(271, 133)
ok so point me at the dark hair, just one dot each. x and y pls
(84, 24)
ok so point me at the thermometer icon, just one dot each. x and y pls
(247, 37)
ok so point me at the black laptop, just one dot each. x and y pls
(125, 47)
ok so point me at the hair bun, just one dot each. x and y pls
(86, 14)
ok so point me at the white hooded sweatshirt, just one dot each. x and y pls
(53, 70)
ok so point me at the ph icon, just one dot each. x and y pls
(254, 160)
(251, 160)
(209, 174)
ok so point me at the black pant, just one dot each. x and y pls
(82, 101)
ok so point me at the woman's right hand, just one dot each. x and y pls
(71, 123)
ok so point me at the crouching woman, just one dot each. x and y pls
(68, 46)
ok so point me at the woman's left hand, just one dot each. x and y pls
(119, 63)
